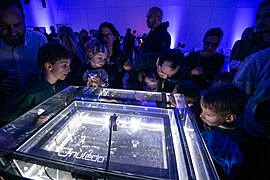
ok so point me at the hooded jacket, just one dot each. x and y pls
(157, 40)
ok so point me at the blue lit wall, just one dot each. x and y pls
(189, 19)
(37, 16)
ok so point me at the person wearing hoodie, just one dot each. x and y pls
(158, 38)
(53, 60)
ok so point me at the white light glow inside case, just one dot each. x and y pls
(135, 124)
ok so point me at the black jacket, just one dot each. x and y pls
(157, 40)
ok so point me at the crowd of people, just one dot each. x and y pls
(228, 107)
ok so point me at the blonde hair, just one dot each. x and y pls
(97, 47)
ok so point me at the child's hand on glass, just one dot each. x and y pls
(96, 81)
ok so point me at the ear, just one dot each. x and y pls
(90, 56)
(48, 66)
(158, 18)
(157, 61)
(140, 77)
(230, 118)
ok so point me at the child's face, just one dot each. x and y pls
(210, 117)
(60, 69)
(151, 84)
(98, 60)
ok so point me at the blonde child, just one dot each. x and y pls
(94, 73)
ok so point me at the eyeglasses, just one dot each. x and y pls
(106, 35)
(208, 43)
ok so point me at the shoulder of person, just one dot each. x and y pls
(36, 85)
(193, 54)
(221, 56)
(225, 151)
(36, 36)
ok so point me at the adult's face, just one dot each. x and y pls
(210, 44)
(263, 19)
(12, 27)
(107, 36)
(152, 19)
(164, 71)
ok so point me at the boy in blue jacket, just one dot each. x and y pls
(222, 107)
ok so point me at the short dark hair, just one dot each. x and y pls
(83, 31)
(224, 99)
(5, 4)
(263, 4)
(158, 11)
(51, 53)
(190, 89)
(214, 32)
(172, 55)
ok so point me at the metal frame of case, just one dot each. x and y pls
(106, 134)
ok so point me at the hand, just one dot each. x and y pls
(95, 81)
(90, 82)
(140, 97)
(42, 119)
(99, 81)
(197, 71)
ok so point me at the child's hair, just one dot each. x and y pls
(97, 47)
(190, 89)
(51, 53)
(224, 77)
(224, 99)
(151, 78)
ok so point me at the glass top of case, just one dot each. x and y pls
(152, 135)
(80, 135)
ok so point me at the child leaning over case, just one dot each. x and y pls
(54, 62)
(222, 107)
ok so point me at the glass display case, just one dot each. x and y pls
(97, 133)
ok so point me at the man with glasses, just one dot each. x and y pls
(168, 65)
(18, 49)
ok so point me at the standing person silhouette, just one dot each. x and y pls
(158, 38)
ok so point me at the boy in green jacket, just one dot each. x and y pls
(54, 62)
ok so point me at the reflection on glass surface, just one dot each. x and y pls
(105, 133)
(144, 98)
(81, 136)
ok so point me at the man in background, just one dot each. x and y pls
(128, 44)
(158, 38)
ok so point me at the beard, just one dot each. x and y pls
(14, 41)
(262, 29)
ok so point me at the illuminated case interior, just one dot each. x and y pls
(107, 134)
